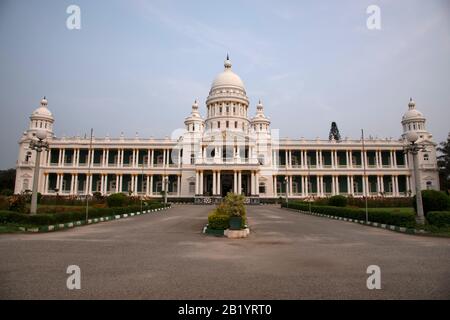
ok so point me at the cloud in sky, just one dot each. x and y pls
(137, 66)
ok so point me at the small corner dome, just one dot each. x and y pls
(412, 112)
(42, 110)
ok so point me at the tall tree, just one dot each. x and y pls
(334, 132)
(444, 163)
(7, 179)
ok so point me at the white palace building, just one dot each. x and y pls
(227, 150)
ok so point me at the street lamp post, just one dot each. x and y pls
(414, 149)
(166, 185)
(286, 181)
(38, 146)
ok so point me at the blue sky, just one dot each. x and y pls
(137, 66)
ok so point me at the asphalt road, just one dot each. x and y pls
(165, 256)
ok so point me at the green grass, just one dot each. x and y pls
(9, 228)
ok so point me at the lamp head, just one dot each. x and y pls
(41, 134)
(412, 136)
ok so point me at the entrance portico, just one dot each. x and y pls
(220, 182)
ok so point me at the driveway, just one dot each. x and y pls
(165, 256)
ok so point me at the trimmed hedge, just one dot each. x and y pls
(117, 200)
(397, 219)
(64, 217)
(338, 201)
(433, 200)
(218, 221)
(439, 218)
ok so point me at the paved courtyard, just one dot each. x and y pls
(165, 256)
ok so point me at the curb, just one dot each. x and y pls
(69, 225)
(369, 223)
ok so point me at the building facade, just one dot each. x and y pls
(225, 151)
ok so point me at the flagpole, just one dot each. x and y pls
(88, 175)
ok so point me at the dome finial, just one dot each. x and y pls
(411, 104)
(227, 63)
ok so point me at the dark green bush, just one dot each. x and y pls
(337, 201)
(65, 217)
(7, 192)
(18, 203)
(433, 200)
(218, 221)
(439, 218)
(398, 219)
(117, 200)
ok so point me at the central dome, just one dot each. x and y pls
(227, 78)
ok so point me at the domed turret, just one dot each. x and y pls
(414, 121)
(260, 122)
(194, 123)
(42, 118)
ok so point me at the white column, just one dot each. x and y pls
(256, 183)
(337, 189)
(396, 185)
(214, 184)
(290, 186)
(235, 182)
(120, 182)
(408, 185)
(239, 191)
(197, 182)
(317, 185)
(395, 159)
(352, 190)
(147, 192)
(152, 156)
(107, 158)
(274, 185)
(201, 182)
(290, 158)
(218, 188)
(150, 189)
(75, 184)
(178, 185)
(377, 164)
(102, 182)
(106, 184)
(117, 183)
(136, 179)
(164, 158)
(91, 178)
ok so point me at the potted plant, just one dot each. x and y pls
(236, 210)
